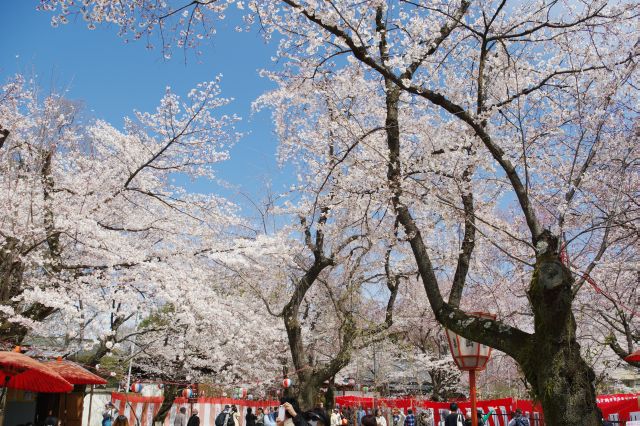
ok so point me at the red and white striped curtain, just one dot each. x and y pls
(140, 410)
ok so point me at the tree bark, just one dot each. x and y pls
(561, 380)
(170, 393)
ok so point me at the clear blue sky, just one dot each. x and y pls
(113, 78)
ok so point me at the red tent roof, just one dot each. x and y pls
(634, 357)
(18, 371)
(74, 373)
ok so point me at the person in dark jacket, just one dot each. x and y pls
(194, 420)
(454, 418)
(250, 418)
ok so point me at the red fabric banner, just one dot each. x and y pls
(142, 409)
(620, 407)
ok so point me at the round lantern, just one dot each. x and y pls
(136, 387)
(365, 389)
(250, 397)
(467, 354)
(244, 392)
(187, 393)
(286, 383)
(160, 386)
(352, 382)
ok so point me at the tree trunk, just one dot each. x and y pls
(561, 380)
(308, 394)
(170, 392)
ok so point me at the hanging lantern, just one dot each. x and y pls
(467, 354)
(160, 386)
(352, 381)
(244, 392)
(365, 389)
(187, 393)
(470, 356)
(286, 383)
(136, 387)
(250, 397)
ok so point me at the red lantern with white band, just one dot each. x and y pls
(286, 383)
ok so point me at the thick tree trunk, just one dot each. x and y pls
(170, 393)
(308, 393)
(553, 365)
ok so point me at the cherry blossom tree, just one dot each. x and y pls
(505, 127)
(95, 228)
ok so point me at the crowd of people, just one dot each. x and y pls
(289, 414)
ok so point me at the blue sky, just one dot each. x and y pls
(112, 78)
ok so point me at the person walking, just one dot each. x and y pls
(108, 415)
(225, 418)
(235, 415)
(410, 420)
(181, 417)
(194, 420)
(519, 419)
(250, 418)
(454, 418)
(380, 420)
(335, 418)
(360, 414)
(260, 417)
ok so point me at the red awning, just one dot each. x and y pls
(18, 371)
(74, 373)
(634, 357)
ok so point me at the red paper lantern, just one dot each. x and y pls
(244, 392)
(187, 393)
(286, 383)
(467, 354)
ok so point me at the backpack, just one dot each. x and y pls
(221, 419)
(460, 420)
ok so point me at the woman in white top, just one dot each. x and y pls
(380, 420)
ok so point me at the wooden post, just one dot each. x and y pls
(472, 391)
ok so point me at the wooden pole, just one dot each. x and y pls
(472, 392)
